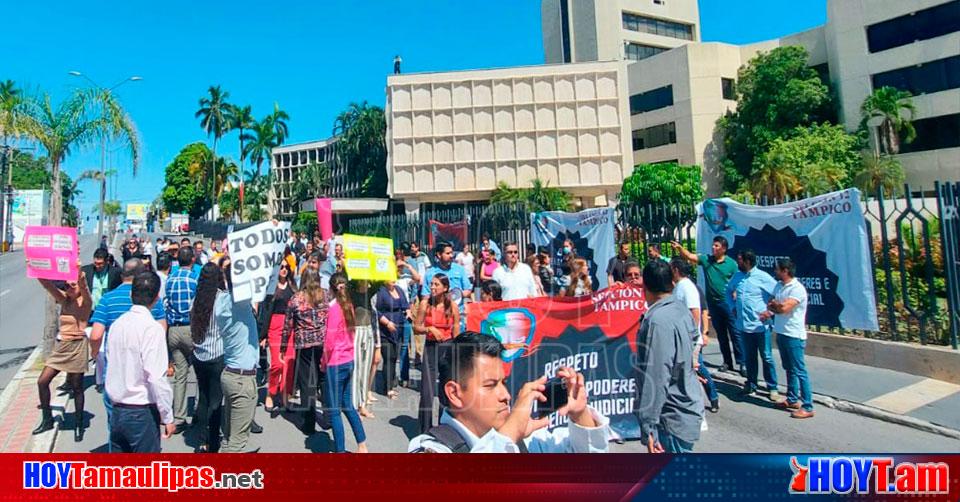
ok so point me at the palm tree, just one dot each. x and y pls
(539, 197)
(11, 109)
(775, 183)
(278, 122)
(240, 119)
(877, 172)
(214, 114)
(362, 147)
(312, 181)
(259, 144)
(895, 109)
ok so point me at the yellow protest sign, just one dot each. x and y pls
(369, 258)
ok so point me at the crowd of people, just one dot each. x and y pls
(319, 339)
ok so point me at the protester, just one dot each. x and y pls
(718, 269)
(312, 262)
(488, 265)
(110, 307)
(147, 248)
(200, 255)
(193, 267)
(578, 280)
(669, 402)
(103, 243)
(393, 309)
(161, 245)
(533, 261)
(515, 278)
(173, 249)
(490, 292)
(439, 320)
(529, 250)
(208, 359)
(215, 253)
(290, 259)
(490, 245)
(306, 326)
(466, 260)
(71, 351)
(100, 276)
(653, 253)
(237, 325)
(132, 249)
(280, 379)
(338, 354)
(546, 272)
(617, 265)
(748, 293)
(789, 311)
(164, 262)
(339, 258)
(459, 284)
(181, 289)
(477, 415)
(633, 274)
(687, 293)
(135, 381)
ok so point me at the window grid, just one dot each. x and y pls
(921, 25)
(933, 76)
(651, 100)
(639, 52)
(644, 24)
(652, 137)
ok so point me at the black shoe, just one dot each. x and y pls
(725, 367)
(180, 428)
(66, 387)
(714, 406)
(78, 428)
(748, 392)
(255, 428)
(46, 423)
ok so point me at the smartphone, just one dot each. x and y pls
(556, 393)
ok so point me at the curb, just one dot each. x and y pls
(41, 443)
(857, 409)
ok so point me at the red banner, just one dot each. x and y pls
(454, 233)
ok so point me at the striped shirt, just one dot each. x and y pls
(111, 306)
(212, 345)
(181, 290)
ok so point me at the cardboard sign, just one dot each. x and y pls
(51, 252)
(369, 258)
(255, 256)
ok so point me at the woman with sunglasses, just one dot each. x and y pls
(281, 364)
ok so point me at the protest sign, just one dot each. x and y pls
(324, 217)
(369, 258)
(825, 236)
(137, 212)
(255, 257)
(595, 335)
(591, 232)
(51, 252)
(454, 233)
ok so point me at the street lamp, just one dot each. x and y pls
(103, 142)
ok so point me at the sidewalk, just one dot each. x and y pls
(19, 412)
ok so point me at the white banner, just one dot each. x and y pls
(255, 256)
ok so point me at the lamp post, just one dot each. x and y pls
(103, 143)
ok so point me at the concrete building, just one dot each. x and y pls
(453, 136)
(286, 163)
(679, 86)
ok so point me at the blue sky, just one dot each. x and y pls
(313, 58)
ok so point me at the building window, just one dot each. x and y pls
(644, 24)
(934, 133)
(652, 137)
(921, 25)
(651, 100)
(638, 52)
(565, 30)
(934, 76)
(728, 88)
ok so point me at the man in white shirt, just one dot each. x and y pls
(687, 293)
(478, 417)
(515, 278)
(788, 308)
(136, 381)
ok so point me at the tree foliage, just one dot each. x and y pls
(814, 160)
(305, 222)
(362, 147)
(895, 110)
(312, 181)
(31, 173)
(879, 172)
(776, 93)
(667, 183)
(539, 197)
(183, 191)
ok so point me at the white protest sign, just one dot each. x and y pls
(255, 256)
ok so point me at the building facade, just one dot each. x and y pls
(286, 163)
(454, 136)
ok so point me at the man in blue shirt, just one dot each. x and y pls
(193, 266)
(748, 292)
(460, 285)
(111, 306)
(181, 289)
(241, 357)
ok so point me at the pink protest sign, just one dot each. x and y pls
(51, 252)
(325, 217)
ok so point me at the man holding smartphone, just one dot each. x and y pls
(478, 417)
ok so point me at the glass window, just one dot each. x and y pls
(652, 137)
(934, 133)
(728, 88)
(637, 52)
(933, 76)
(644, 24)
(921, 25)
(651, 100)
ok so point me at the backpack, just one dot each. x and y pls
(449, 437)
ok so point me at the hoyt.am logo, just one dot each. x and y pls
(878, 475)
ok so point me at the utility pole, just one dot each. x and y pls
(6, 207)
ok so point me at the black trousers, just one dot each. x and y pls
(209, 401)
(390, 349)
(135, 430)
(306, 371)
(720, 320)
(433, 353)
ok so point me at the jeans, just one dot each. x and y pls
(726, 336)
(405, 352)
(209, 402)
(709, 386)
(339, 384)
(108, 406)
(798, 381)
(135, 430)
(671, 443)
(759, 343)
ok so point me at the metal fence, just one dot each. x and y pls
(915, 250)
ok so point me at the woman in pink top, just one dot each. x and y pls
(338, 362)
(489, 265)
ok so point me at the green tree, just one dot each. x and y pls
(185, 190)
(312, 181)
(362, 147)
(30, 173)
(895, 110)
(278, 122)
(11, 110)
(259, 144)
(776, 93)
(879, 172)
(240, 118)
(539, 197)
(229, 203)
(667, 183)
(305, 222)
(214, 115)
(821, 158)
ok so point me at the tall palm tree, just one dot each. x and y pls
(877, 172)
(775, 183)
(259, 144)
(278, 122)
(896, 110)
(539, 197)
(312, 181)
(11, 109)
(241, 119)
(214, 116)
(362, 147)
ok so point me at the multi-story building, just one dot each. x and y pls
(454, 136)
(679, 86)
(287, 161)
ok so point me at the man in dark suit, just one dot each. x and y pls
(101, 277)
